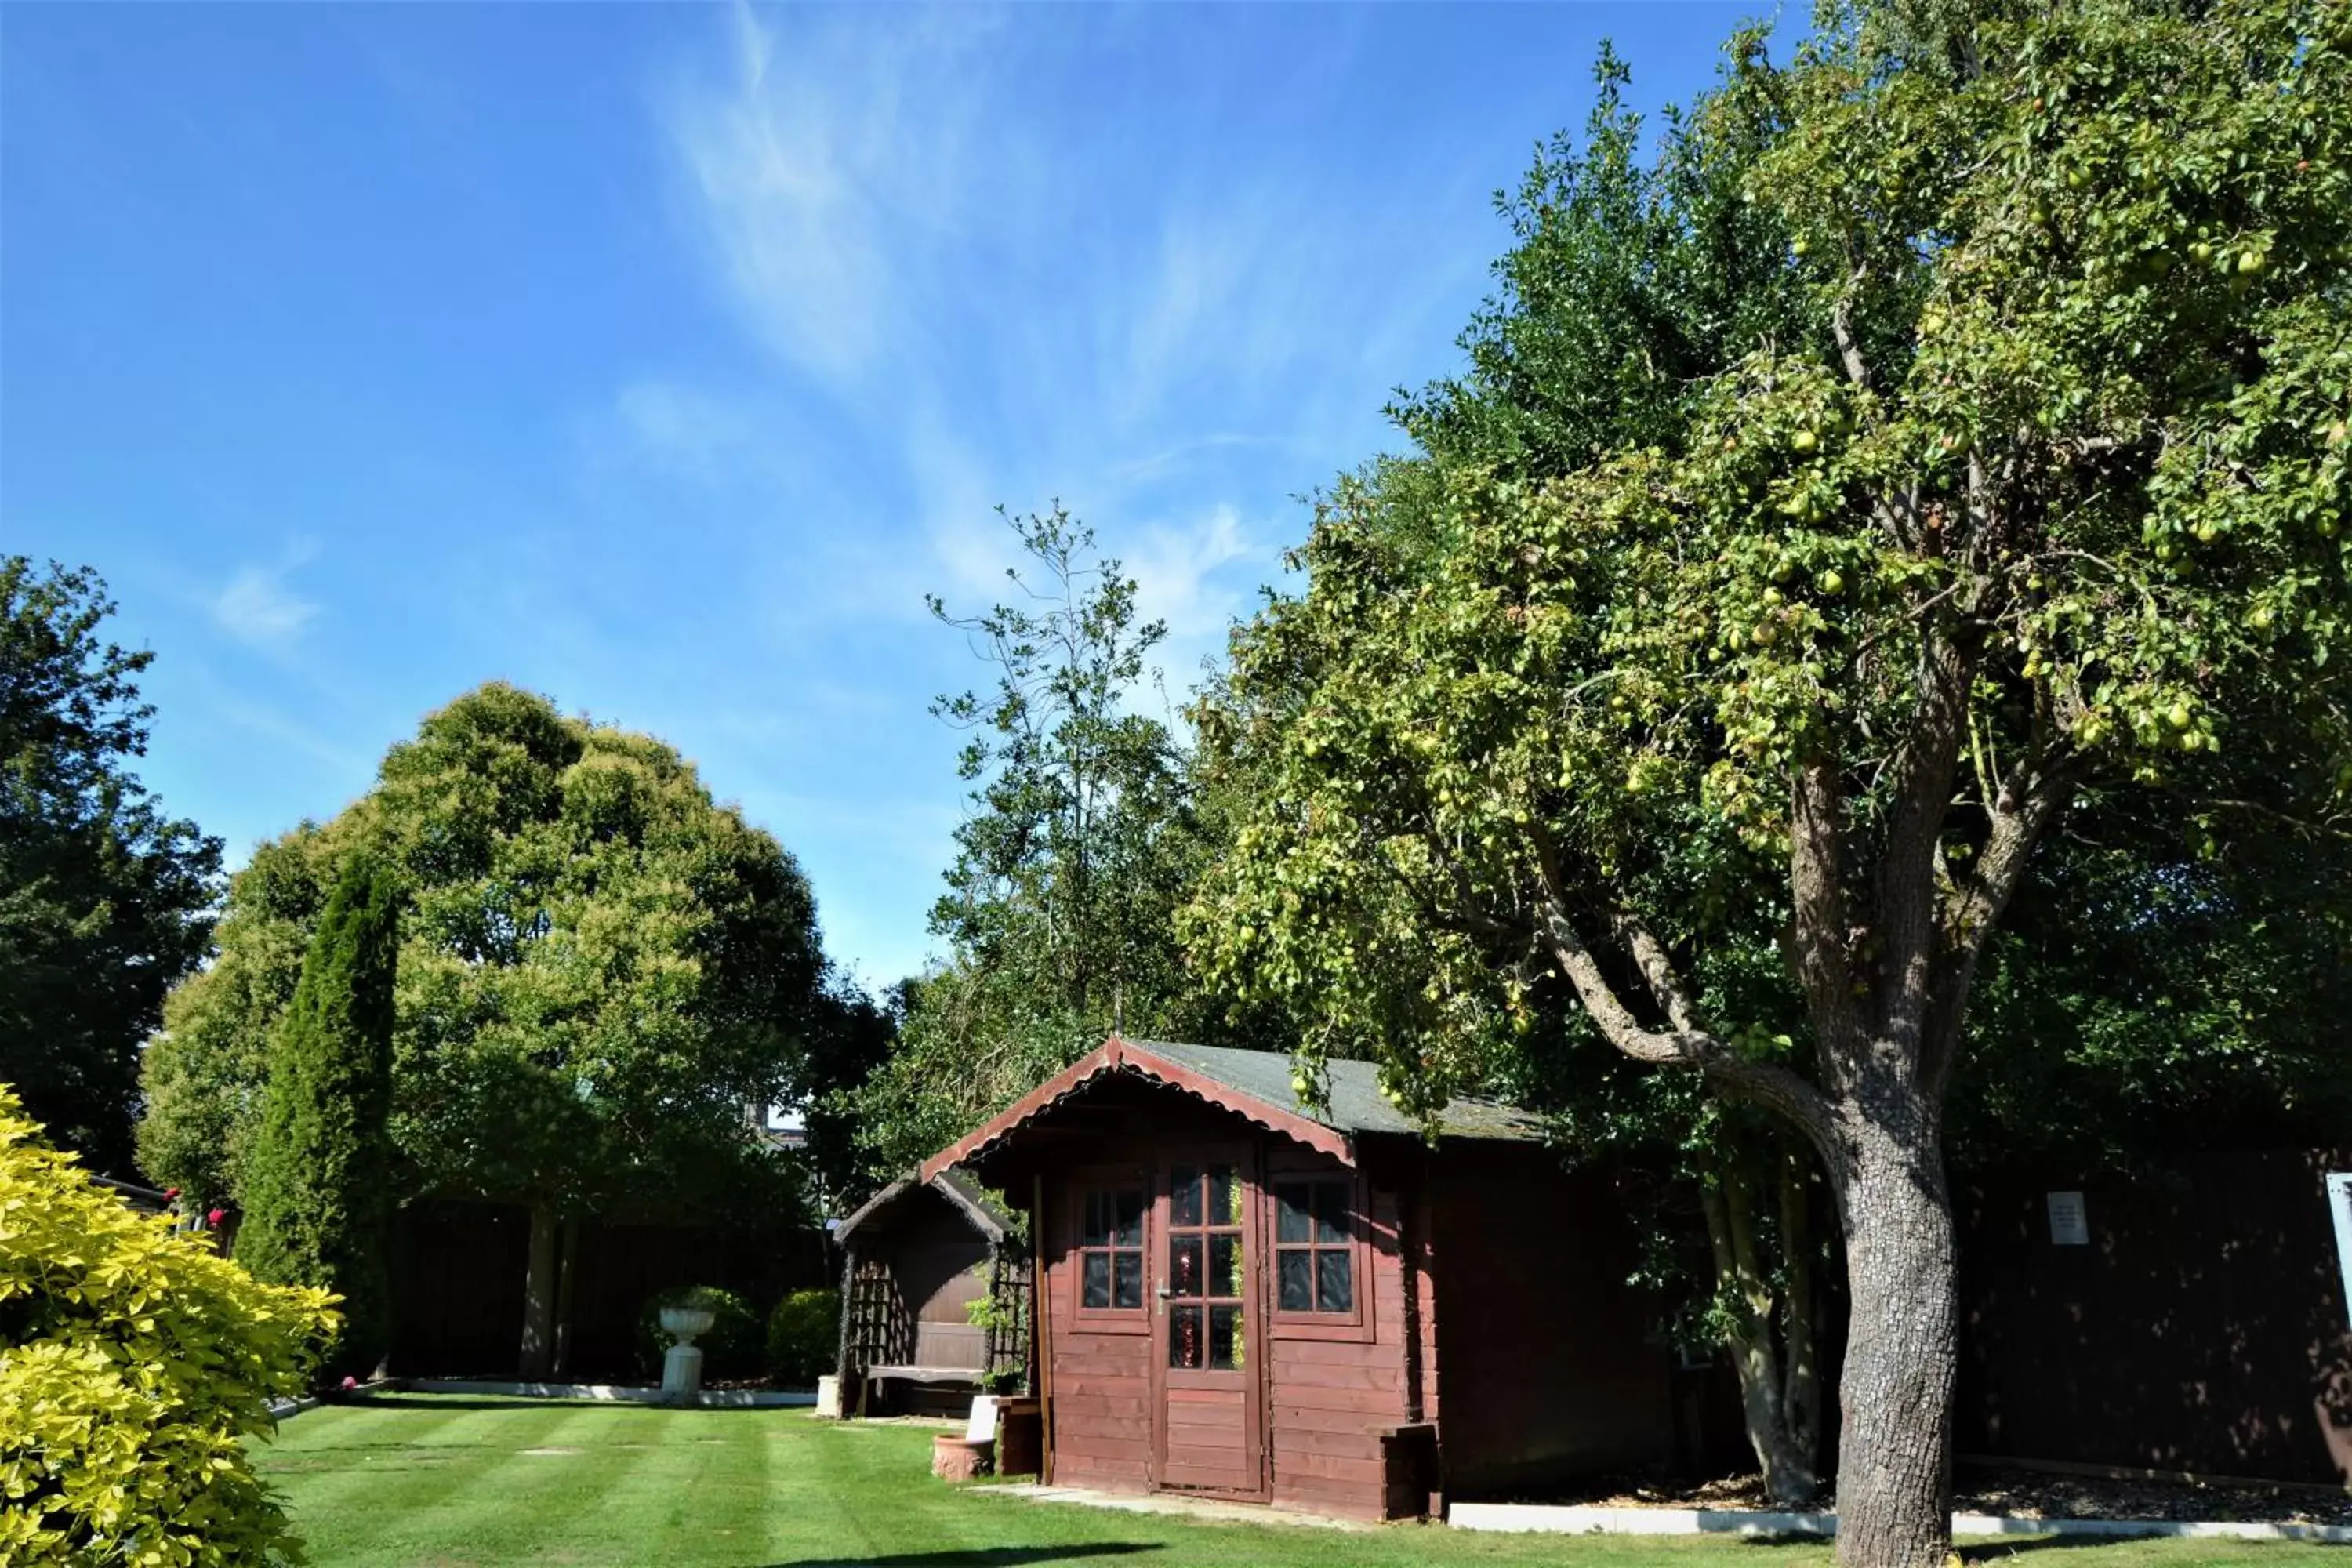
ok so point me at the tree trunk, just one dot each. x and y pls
(539, 1296)
(567, 1270)
(1895, 1455)
(1769, 1336)
(1801, 1388)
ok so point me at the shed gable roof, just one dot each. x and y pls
(1252, 1084)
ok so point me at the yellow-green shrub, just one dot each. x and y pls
(133, 1361)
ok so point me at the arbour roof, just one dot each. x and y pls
(964, 1195)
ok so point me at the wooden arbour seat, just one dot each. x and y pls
(918, 1256)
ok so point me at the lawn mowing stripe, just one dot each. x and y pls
(645, 1493)
(334, 1425)
(562, 1507)
(638, 1459)
(367, 1482)
(716, 1502)
(494, 1506)
(850, 1475)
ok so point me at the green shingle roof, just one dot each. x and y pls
(1354, 1102)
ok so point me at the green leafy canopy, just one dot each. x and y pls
(2058, 442)
(599, 972)
(1939, 453)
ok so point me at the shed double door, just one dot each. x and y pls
(1208, 1430)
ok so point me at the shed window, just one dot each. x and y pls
(1110, 1250)
(1314, 1246)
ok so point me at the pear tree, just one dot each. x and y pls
(2044, 506)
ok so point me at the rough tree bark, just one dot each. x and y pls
(567, 1270)
(1894, 1467)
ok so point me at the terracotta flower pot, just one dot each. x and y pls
(955, 1458)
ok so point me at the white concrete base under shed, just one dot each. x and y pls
(1594, 1520)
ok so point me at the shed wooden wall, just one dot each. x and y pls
(1332, 1402)
(1328, 1404)
(1521, 1359)
(1550, 1365)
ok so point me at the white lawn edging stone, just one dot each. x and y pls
(286, 1409)
(1591, 1520)
(615, 1393)
(1547, 1518)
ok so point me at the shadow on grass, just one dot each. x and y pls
(986, 1557)
(1999, 1548)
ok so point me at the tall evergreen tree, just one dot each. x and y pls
(1086, 832)
(319, 1190)
(105, 901)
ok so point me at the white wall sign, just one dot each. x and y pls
(2070, 1221)
(2339, 1204)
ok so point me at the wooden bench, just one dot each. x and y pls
(971, 1375)
(942, 1381)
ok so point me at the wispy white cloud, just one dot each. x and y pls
(927, 245)
(1010, 256)
(834, 150)
(683, 428)
(258, 607)
(1183, 575)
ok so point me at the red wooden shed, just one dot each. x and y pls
(1241, 1295)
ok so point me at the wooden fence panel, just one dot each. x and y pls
(2200, 1327)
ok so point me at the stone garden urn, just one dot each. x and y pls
(682, 1365)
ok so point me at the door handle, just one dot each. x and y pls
(1161, 1291)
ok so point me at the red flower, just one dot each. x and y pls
(215, 1217)
(350, 1383)
(169, 1193)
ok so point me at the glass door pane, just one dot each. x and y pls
(1207, 1278)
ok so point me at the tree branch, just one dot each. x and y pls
(1905, 923)
(1772, 1086)
(1820, 919)
(1841, 327)
(1657, 969)
(2029, 802)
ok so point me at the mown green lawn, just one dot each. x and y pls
(447, 1481)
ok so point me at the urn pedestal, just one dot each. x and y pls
(682, 1365)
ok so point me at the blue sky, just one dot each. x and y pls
(660, 358)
